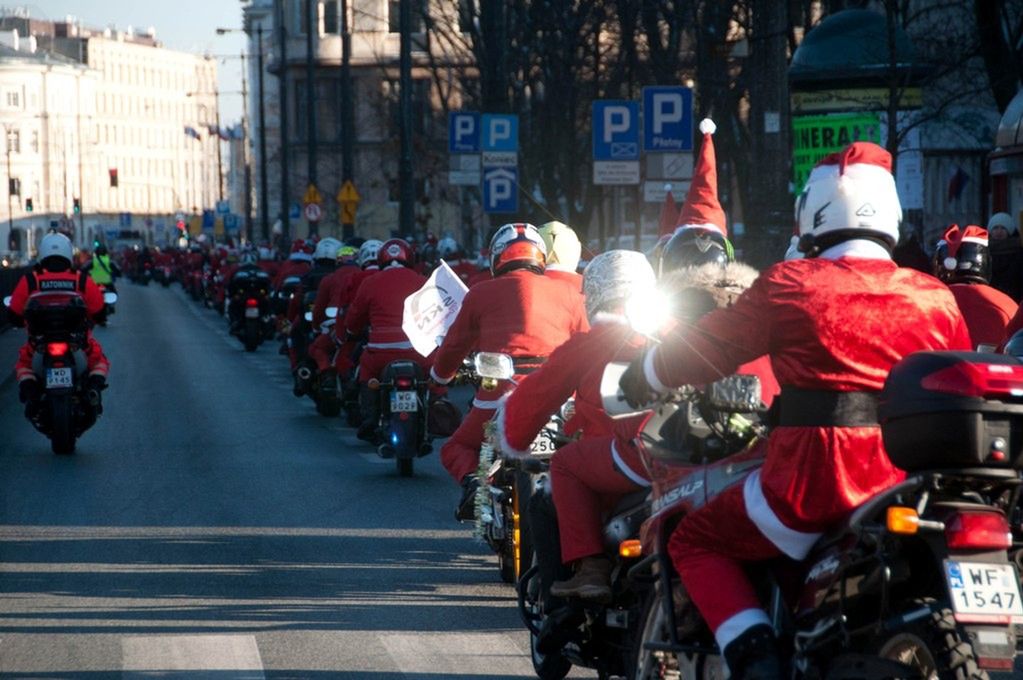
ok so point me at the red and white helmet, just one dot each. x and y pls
(517, 246)
(850, 194)
(396, 250)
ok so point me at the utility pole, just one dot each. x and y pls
(220, 160)
(347, 114)
(406, 214)
(310, 87)
(264, 190)
(247, 179)
(283, 76)
(10, 185)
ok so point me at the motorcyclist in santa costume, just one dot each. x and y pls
(520, 312)
(833, 323)
(963, 261)
(378, 308)
(298, 264)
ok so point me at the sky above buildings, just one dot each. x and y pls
(186, 25)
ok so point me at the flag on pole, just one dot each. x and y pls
(430, 311)
(192, 132)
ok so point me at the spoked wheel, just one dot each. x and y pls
(934, 647)
(62, 433)
(656, 664)
(550, 666)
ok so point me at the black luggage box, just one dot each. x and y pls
(55, 314)
(942, 410)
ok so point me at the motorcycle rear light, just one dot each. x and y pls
(995, 664)
(252, 302)
(630, 548)
(403, 383)
(978, 531)
(56, 349)
(977, 380)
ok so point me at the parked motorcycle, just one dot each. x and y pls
(57, 330)
(920, 581)
(403, 391)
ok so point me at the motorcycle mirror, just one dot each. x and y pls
(611, 394)
(331, 312)
(494, 365)
(109, 298)
(7, 301)
(308, 316)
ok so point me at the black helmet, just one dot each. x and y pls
(694, 247)
(962, 256)
(1014, 347)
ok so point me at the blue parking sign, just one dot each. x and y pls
(463, 132)
(500, 190)
(499, 132)
(615, 130)
(667, 119)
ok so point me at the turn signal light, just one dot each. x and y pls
(902, 520)
(630, 548)
(978, 530)
(56, 349)
(373, 384)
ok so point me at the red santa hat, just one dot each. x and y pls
(669, 215)
(702, 209)
(954, 237)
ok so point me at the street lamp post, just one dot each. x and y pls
(10, 195)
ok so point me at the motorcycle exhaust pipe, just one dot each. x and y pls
(304, 373)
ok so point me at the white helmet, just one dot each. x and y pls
(517, 246)
(448, 247)
(56, 245)
(614, 277)
(563, 247)
(850, 194)
(368, 252)
(327, 249)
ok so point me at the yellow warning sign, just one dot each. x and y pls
(312, 195)
(348, 198)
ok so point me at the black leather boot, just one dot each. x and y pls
(754, 655)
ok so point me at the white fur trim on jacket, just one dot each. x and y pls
(650, 373)
(623, 467)
(502, 437)
(439, 380)
(795, 544)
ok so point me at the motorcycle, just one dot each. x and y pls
(109, 303)
(506, 483)
(164, 275)
(326, 394)
(917, 582)
(249, 307)
(403, 392)
(57, 330)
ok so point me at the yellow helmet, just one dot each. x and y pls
(563, 247)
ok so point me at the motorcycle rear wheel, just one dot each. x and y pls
(934, 646)
(62, 433)
(405, 466)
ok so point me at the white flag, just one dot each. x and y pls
(430, 311)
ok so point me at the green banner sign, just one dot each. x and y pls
(814, 137)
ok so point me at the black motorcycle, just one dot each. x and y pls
(57, 330)
(921, 581)
(403, 392)
(249, 307)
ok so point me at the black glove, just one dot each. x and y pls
(28, 390)
(96, 383)
(634, 386)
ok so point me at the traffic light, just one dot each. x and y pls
(180, 225)
(28, 205)
(113, 177)
(77, 208)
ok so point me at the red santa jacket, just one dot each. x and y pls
(329, 289)
(987, 311)
(520, 313)
(291, 268)
(572, 281)
(343, 296)
(479, 277)
(829, 325)
(42, 282)
(380, 305)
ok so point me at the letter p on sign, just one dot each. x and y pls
(616, 121)
(667, 110)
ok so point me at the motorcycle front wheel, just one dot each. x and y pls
(62, 431)
(934, 646)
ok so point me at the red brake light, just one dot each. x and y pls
(977, 380)
(56, 349)
(252, 302)
(403, 383)
(978, 531)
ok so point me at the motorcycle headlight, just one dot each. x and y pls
(647, 312)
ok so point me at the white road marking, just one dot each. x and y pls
(457, 654)
(233, 656)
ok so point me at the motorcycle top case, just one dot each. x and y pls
(55, 314)
(942, 410)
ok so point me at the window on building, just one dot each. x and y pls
(331, 25)
(13, 141)
(35, 141)
(298, 17)
(326, 108)
(12, 99)
(418, 15)
(421, 114)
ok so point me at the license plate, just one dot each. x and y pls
(405, 401)
(543, 445)
(982, 589)
(59, 377)
(252, 312)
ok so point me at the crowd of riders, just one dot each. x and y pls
(820, 330)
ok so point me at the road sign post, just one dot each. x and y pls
(667, 119)
(313, 208)
(500, 190)
(499, 144)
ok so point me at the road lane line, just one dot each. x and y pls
(457, 654)
(232, 656)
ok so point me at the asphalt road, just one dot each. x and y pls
(211, 525)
